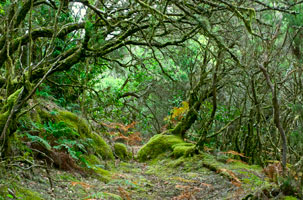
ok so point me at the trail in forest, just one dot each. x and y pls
(133, 181)
(143, 181)
(163, 178)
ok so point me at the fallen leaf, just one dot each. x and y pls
(234, 153)
(84, 185)
(233, 175)
(233, 160)
(206, 185)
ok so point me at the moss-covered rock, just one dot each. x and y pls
(157, 145)
(80, 125)
(73, 121)
(121, 151)
(100, 147)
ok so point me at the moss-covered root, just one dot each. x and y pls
(183, 149)
(121, 151)
(159, 144)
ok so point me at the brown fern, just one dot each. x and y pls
(122, 133)
(273, 171)
(124, 194)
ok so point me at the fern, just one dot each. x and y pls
(59, 129)
(40, 140)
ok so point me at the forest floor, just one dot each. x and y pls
(163, 178)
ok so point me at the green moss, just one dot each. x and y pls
(102, 174)
(156, 145)
(44, 115)
(20, 192)
(80, 125)
(27, 194)
(101, 148)
(11, 100)
(75, 122)
(289, 198)
(183, 149)
(121, 151)
(240, 165)
(92, 159)
(3, 118)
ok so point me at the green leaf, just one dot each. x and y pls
(38, 139)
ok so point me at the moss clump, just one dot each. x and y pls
(121, 151)
(75, 122)
(20, 192)
(156, 145)
(102, 174)
(94, 163)
(79, 125)
(100, 147)
(27, 194)
(183, 149)
(92, 159)
(289, 198)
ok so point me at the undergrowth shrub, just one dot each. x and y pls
(56, 136)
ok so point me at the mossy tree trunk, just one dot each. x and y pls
(197, 97)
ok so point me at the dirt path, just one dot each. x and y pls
(162, 179)
(165, 178)
(157, 181)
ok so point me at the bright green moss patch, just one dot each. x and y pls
(102, 174)
(241, 165)
(20, 192)
(92, 159)
(79, 125)
(121, 151)
(183, 149)
(100, 147)
(11, 100)
(157, 145)
(27, 194)
(73, 121)
(289, 198)
(94, 163)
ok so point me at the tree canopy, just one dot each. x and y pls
(221, 74)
